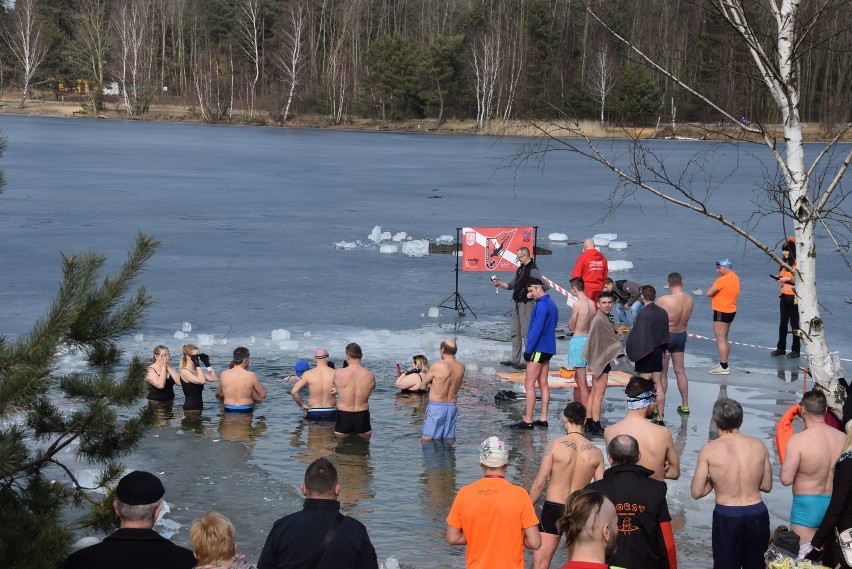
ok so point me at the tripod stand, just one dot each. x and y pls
(459, 304)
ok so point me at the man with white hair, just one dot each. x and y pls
(492, 516)
(134, 545)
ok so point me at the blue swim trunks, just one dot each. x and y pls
(575, 350)
(677, 342)
(808, 510)
(239, 408)
(322, 414)
(440, 421)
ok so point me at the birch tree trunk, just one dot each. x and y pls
(249, 30)
(24, 39)
(291, 60)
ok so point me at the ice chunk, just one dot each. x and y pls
(445, 240)
(607, 236)
(288, 345)
(619, 265)
(618, 245)
(401, 236)
(386, 235)
(601, 241)
(167, 528)
(251, 340)
(698, 292)
(187, 327)
(138, 337)
(376, 235)
(180, 335)
(434, 312)
(557, 237)
(389, 249)
(281, 334)
(206, 340)
(416, 248)
(345, 245)
(389, 563)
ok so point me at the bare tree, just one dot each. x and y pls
(486, 52)
(515, 55)
(248, 20)
(809, 195)
(211, 80)
(23, 35)
(134, 30)
(601, 77)
(292, 59)
(92, 37)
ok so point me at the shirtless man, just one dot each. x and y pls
(809, 466)
(443, 380)
(678, 305)
(569, 462)
(737, 467)
(353, 385)
(656, 447)
(320, 381)
(240, 387)
(581, 319)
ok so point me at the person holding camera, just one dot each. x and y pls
(195, 371)
(523, 304)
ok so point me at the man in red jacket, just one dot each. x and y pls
(591, 266)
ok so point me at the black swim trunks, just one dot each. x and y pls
(726, 317)
(353, 422)
(550, 513)
(537, 357)
(651, 363)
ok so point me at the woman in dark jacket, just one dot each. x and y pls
(789, 308)
(838, 516)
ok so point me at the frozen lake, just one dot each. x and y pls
(249, 219)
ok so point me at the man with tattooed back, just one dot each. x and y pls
(570, 462)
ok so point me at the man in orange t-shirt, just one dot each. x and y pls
(723, 295)
(492, 516)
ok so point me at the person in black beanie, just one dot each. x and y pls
(135, 545)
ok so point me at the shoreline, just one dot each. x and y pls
(687, 132)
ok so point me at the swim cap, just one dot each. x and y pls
(301, 367)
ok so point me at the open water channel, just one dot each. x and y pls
(249, 219)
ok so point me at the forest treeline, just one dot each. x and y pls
(488, 60)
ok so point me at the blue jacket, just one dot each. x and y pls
(541, 336)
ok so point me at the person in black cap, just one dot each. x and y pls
(135, 545)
